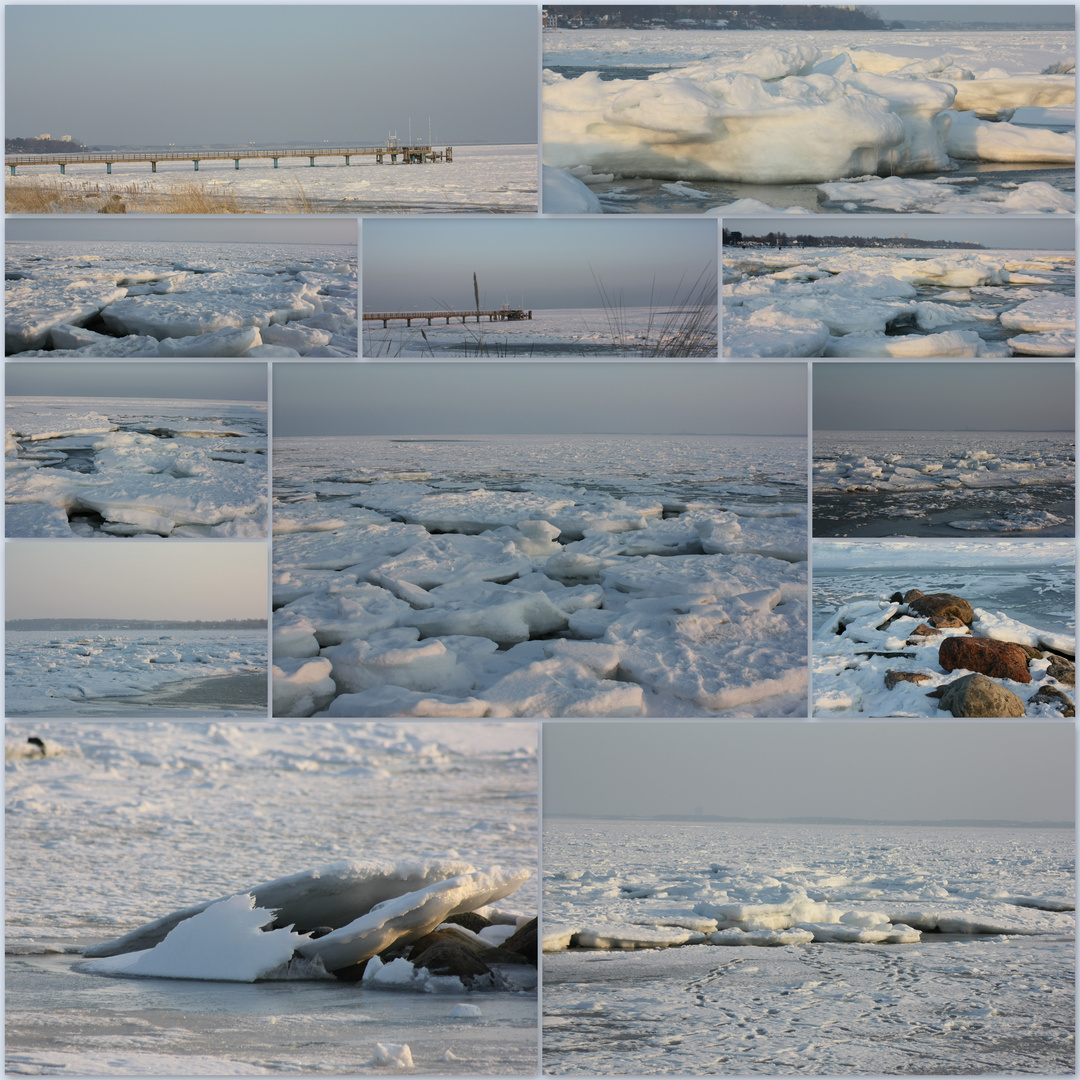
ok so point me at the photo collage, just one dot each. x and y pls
(540, 540)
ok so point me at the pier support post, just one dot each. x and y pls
(236, 162)
(61, 168)
(346, 159)
(153, 166)
(108, 168)
(275, 163)
(12, 168)
(312, 160)
(196, 160)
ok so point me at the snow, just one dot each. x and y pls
(177, 299)
(135, 466)
(856, 302)
(775, 108)
(551, 584)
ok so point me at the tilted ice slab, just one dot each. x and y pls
(369, 906)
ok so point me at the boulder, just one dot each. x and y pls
(524, 941)
(1000, 659)
(976, 695)
(947, 622)
(1051, 695)
(449, 956)
(922, 630)
(894, 678)
(940, 604)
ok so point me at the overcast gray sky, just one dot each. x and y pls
(547, 399)
(1035, 14)
(535, 264)
(150, 74)
(991, 231)
(941, 396)
(983, 770)
(186, 228)
(218, 381)
(135, 580)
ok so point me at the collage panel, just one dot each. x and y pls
(136, 450)
(219, 899)
(208, 287)
(809, 109)
(525, 289)
(896, 620)
(899, 288)
(944, 450)
(138, 629)
(538, 540)
(808, 899)
(317, 109)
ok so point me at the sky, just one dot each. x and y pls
(1004, 13)
(186, 228)
(990, 231)
(532, 264)
(544, 399)
(199, 579)
(944, 397)
(148, 74)
(878, 770)
(218, 381)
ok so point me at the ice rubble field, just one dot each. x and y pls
(121, 823)
(135, 467)
(784, 107)
(875, 966)
(554, 332)
(539, 576)
(849, 302)
(63, 672)
(1021, 592)
(988, 482)
(492, 179)
(118, 299)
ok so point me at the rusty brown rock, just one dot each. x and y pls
(939, 604)
(894, 678)
(922, 630)
(947, 622)
(999, 659)
(1050, 695)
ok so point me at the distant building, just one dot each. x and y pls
(65, 138)
(46, 135)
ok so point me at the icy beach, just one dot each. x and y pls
(539, 576)
(629, 333)
(103, 673)
(851, 302)
(921, 483)
(159, 299)
(145, 818)
(989, 629)
(894, 949)
(135, 467)
(481, 179)
(747, 120)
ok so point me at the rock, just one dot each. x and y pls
(1001, 659)
(976, 695)
(1050, 695)
(894, 678)
(947, 622)
(922, 630)
(1064, 675)
(470, 920)
(1030, 652)
(911, 594)
(939, 604)
(450, 957)
(523, 941)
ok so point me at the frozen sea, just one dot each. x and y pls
(122, 823)
(987, 986)
(859, 302)
(480, 179)
(920, 483)
(631, 333)
(135, 467)
(135, 672)
(1022, 591)
(111, 298)
(750, 121)
(540, 576)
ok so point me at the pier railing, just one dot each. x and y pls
(497, 315)
(392, 153)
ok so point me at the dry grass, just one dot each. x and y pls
(49, 195)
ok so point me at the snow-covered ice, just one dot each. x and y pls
(120, 299)
(480, 179)
(539, 576)
(767, 115)
(121, 823)
(859, 302)
(891, 946)
(876, 655)
(81, 672)
(928, 483)
(135, 467)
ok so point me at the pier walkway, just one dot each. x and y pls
(391, 153)
(498, 315)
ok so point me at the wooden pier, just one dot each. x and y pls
(392, 153)
(498, 315)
